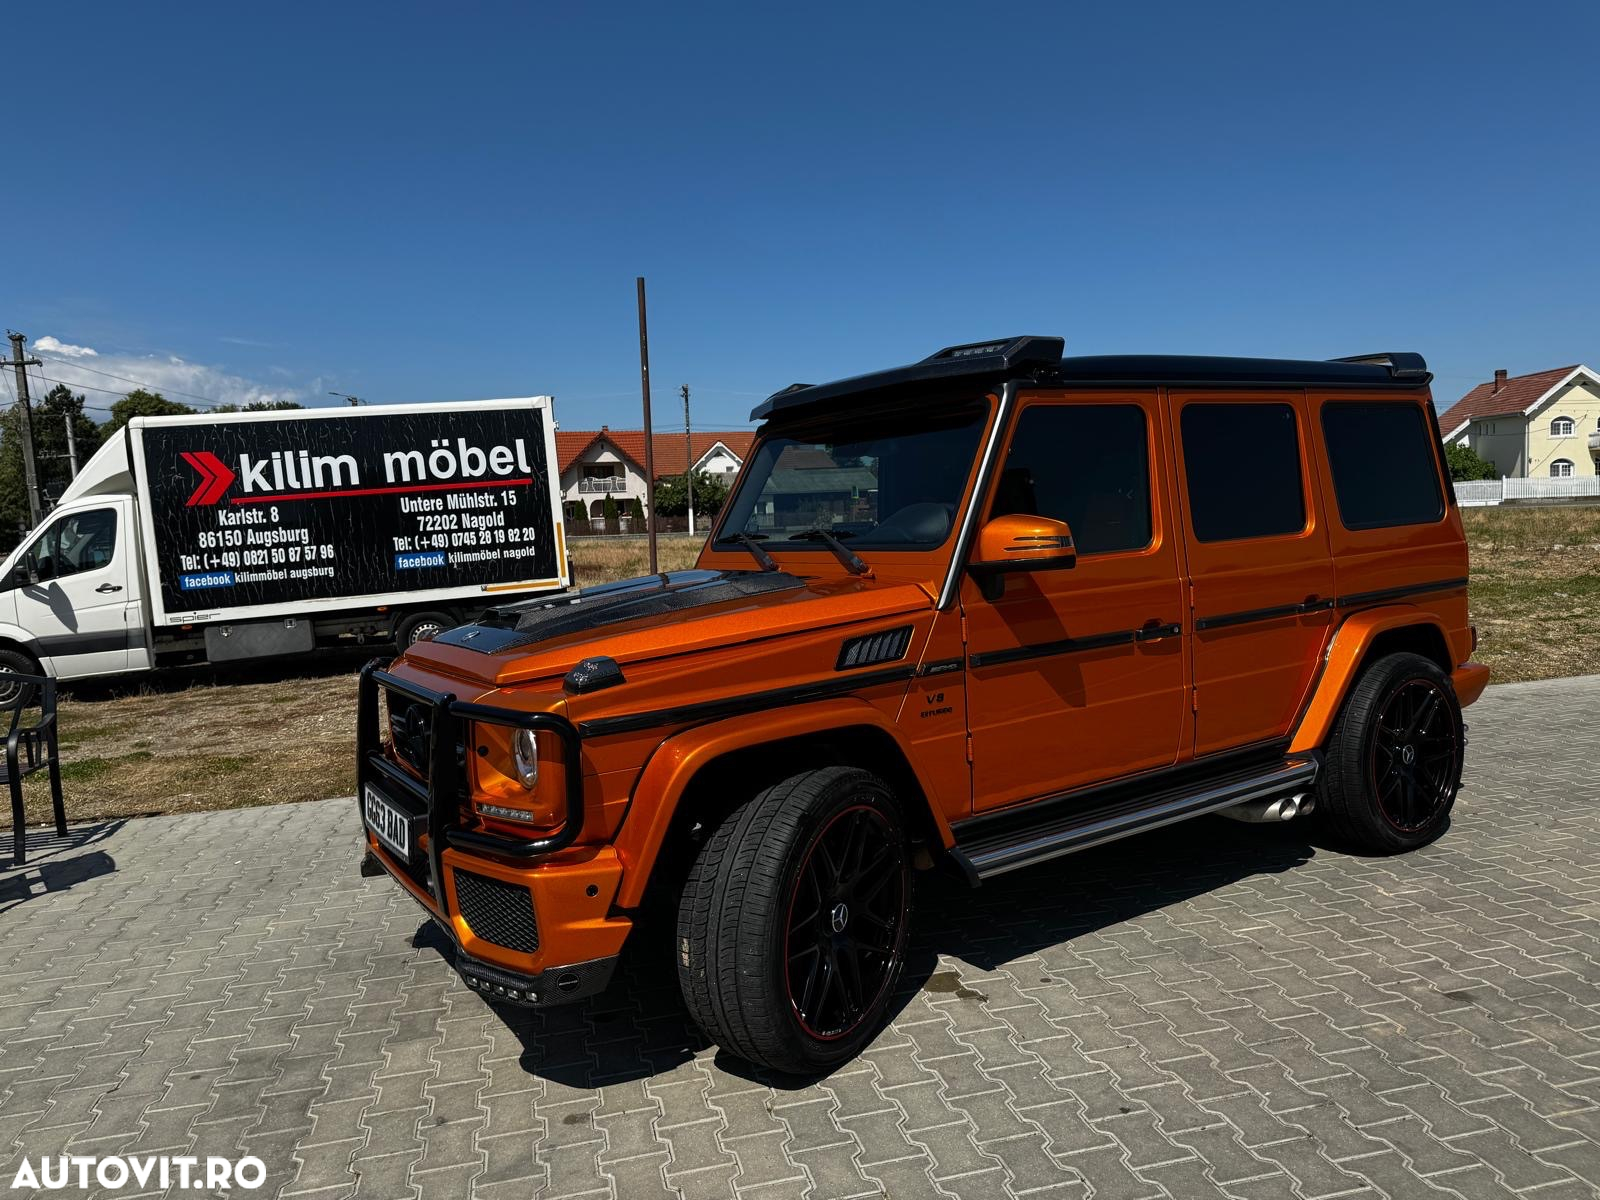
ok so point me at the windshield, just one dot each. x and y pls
(890, 481)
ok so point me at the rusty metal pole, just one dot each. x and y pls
(649, 440)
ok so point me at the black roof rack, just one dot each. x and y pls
(1039, 360)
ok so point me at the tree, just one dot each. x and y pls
(1466, 463)
(140, 403)
(636, 511)
(672, 500)
(50, 417)
(608, 511)
(259, 406)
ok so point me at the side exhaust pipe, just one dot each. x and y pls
(1284, 808)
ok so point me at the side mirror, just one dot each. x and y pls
(1023, 543)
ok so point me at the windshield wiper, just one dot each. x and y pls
(765, 560)
(843, 553)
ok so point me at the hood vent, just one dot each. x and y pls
(874, 648)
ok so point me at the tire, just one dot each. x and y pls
(772, 975)
(15, 662)
(419, 626)
(1392, 764)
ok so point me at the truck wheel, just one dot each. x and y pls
(792, 925)
(420, 626)
(1393, 761)
(15, 662)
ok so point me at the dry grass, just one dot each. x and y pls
(201, 739)
(1535, 592)
(192, 740)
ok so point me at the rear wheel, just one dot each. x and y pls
(421, 626)
(12, 689)
(792, 925)
(1393, 761)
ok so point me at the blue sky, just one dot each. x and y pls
(414, 202)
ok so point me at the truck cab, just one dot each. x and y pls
(983, 611)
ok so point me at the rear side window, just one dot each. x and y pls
(1243, 468)
(1385, 472)
(1085, 464)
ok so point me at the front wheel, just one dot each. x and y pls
(1393, 760)
(792, 925)
(421, 627)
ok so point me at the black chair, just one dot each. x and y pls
(31, 748)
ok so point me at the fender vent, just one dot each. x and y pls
(874, 648)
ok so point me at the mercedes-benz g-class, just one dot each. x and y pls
(981, 611)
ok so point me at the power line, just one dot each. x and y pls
(77, 366)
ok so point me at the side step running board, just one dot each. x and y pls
(1063, 827)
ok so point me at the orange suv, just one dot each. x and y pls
(982, 611)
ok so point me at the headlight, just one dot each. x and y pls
(525, 753)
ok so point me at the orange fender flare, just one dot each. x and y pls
(1351, 642)
(666, 776)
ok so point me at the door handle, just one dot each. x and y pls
(1154, 630)
(109, 587)
(1316, 603)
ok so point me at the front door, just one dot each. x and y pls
(1258, 561)
(79, 612)
(1078, 676)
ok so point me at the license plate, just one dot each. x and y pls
(390, 824)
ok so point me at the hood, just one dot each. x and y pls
(654, 616)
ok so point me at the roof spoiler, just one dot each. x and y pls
(1402, 364)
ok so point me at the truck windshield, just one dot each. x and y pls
(890, 481)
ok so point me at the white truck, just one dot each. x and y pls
(221, 537)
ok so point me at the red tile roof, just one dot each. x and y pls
(571, 443)
(1516, 395)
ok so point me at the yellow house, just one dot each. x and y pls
(1531, 426)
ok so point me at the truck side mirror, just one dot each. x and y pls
(1023, 543)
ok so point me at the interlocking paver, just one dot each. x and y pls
(1212, 1010)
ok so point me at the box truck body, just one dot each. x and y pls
(247, 535)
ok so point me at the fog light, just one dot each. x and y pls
(525, 753)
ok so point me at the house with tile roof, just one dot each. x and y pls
(1542, 425)
(596, 463)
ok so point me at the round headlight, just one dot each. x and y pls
(525, 752)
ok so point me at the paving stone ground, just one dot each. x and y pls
(1213, 1010)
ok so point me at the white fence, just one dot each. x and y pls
(1494, 491)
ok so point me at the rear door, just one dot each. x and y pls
(1260, 573)
(1078, 676)
(82, 611)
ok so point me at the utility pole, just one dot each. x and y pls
(30, 474)
(72, 446)
(649, 440)
(688, 457)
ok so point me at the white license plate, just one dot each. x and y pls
(391, 825)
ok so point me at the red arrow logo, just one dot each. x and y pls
(214, 476)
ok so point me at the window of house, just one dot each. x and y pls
(1385, 472)
(77, 542)
(1085, 464)
(1242, 462)
(1561, 427)
(1561, 468)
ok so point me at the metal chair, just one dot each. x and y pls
(31, 748)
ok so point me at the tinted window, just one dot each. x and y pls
(77, 542)
(1243, 464)
(1384, 469)
(1085, 464)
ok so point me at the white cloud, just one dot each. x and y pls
(104, 377)
(50, 345)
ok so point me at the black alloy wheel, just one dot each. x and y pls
(1414, 755)
(846, 915)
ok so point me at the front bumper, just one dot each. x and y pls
(531, 921)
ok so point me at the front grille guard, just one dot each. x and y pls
(441, 793)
